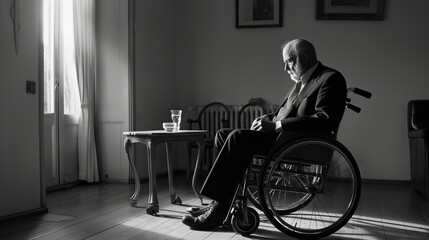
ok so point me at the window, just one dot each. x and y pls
(59, 58)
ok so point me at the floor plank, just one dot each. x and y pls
(103, 211)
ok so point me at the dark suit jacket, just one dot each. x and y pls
(320, 105)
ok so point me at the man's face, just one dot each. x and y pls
(293, 65)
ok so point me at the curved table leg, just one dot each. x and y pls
(153, 204)
(135, 196)
(201, 146)
(174, 199)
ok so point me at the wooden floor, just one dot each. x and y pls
(102, 211)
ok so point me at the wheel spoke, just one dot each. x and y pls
(310, 195)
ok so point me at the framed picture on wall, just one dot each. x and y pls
(350, 10)
(258, 13)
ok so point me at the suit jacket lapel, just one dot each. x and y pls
(308, 87)
(305, 91)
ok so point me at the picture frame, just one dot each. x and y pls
(350, 10)
(258, 13)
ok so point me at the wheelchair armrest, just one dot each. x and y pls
(288, 136)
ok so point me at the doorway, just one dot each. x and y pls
(61, 94)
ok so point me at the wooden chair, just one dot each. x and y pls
(249, 112)
(211, 117)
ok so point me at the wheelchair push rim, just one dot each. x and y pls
(323, 187)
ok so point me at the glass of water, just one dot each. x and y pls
(176, 116)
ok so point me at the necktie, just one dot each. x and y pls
(285, 108)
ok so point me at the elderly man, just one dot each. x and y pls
(316, 103)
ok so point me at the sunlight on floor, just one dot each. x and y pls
(359, 227)
(371, 221)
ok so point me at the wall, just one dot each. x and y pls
(20, 182)
(154, 87)
(113, 112)
(216, 61)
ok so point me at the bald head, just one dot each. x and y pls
(299, 55)
(302, 49)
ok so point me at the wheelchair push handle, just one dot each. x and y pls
(360, 92)
(353, 108)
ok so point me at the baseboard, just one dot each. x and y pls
(115, 181)
(23, 214)
(386, 181)
(64, 186)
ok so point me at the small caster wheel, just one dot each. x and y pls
(176, 200)
(245, 228)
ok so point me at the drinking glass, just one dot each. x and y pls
(176, 116)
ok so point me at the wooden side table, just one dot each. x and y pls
(151, 139)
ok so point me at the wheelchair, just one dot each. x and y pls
(308, 185)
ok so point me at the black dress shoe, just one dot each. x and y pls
(210, 220)
(197, 211)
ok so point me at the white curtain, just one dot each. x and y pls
(86, 62)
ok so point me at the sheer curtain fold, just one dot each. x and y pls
(86, 62)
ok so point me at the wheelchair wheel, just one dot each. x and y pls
(317, 179)
(245, 228)
(253, 193)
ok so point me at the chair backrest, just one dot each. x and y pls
(418, 114)
(213, 117)
(249, 112)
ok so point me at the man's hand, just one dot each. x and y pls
(264, 125)
(266, 117)
(257, 121)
